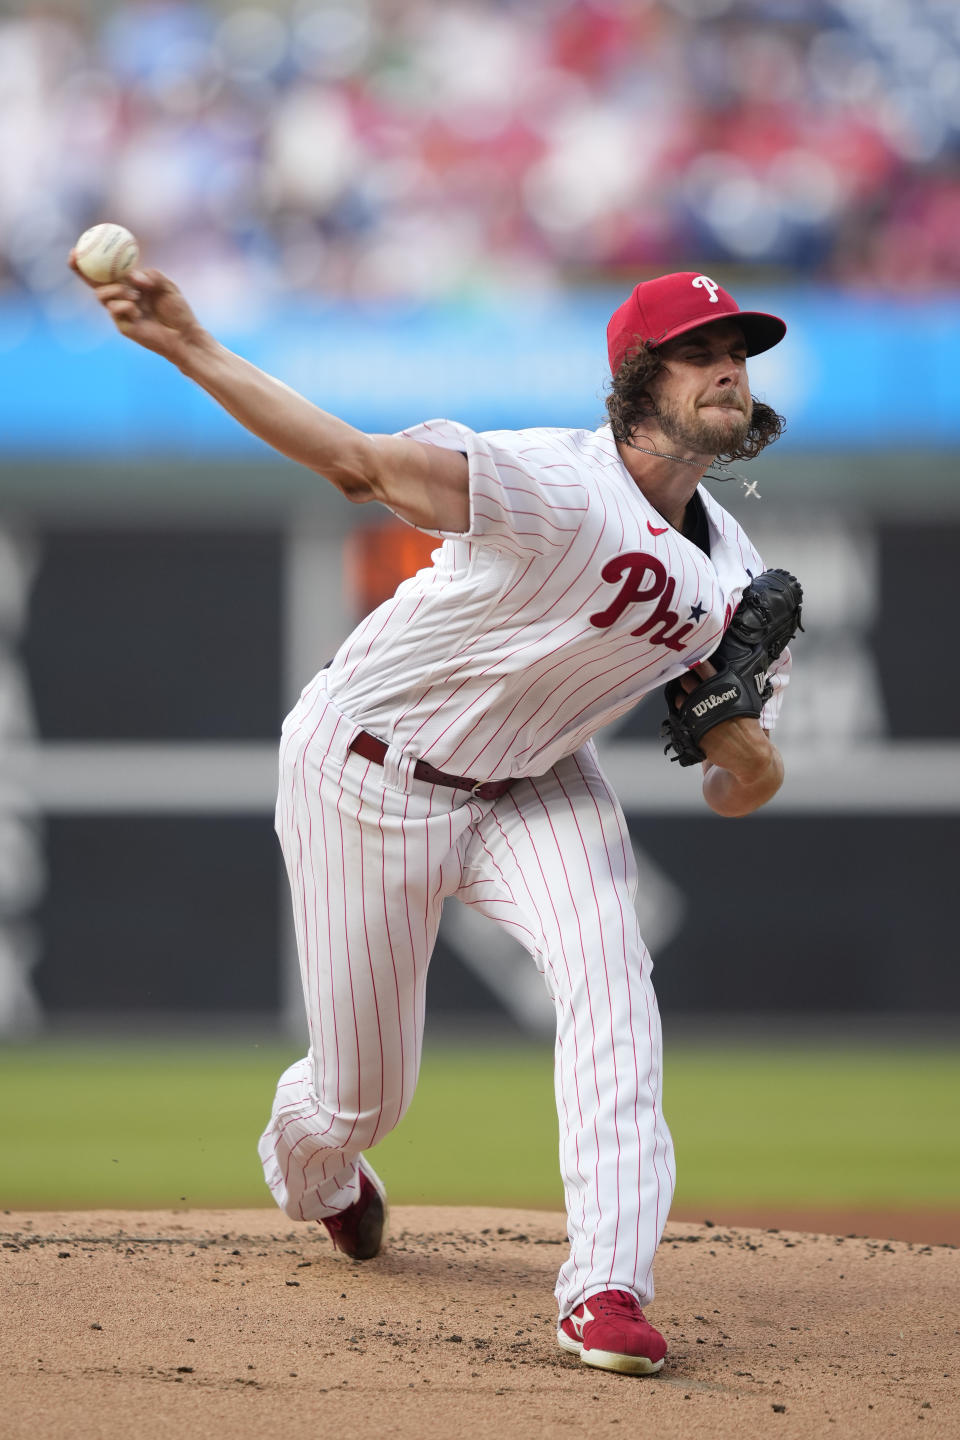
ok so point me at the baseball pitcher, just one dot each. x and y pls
(446, 752)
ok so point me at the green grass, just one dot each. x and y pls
(150, 1124)
(836, 1124)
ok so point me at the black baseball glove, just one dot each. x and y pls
(763, 624)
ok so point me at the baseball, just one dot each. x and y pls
(106, 252)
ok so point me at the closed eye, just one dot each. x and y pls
(706, 357)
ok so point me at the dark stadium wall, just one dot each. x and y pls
(155, 659)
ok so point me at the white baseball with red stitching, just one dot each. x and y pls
(106, 252)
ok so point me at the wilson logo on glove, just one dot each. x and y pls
(712, 701)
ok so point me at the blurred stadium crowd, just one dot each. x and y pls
(418, 148)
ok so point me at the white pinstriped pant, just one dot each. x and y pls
(371, 854)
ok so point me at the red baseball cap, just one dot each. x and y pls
(659, 310)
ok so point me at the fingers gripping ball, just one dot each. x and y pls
(106, 252)
(763, 624)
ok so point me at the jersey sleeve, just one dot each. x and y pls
(523, 499)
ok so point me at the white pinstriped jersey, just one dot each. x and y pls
(566, 601)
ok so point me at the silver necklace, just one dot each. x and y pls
(680, 459)
(749, 486)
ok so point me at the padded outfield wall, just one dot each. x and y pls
(166, 587)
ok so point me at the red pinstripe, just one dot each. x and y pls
(543, 514)
(482, 515)
(359, 632)
(558, 930)
(593, 1028)
(373, 979)
(589, 729)
(628, 988)
(519, 580)
(303, 888)
(606, 976)
(320, 1134)
(578, 661)
(393, 958)
(505, 639)
(599, 642)
(494, 900)
(431, 748)
(316, 924)
(478, 702)
(333, 999)
(348, 959)
(634, 1245)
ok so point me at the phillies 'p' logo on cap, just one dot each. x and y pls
(659, 310)
(703, 282)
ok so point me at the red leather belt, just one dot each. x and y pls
(373, 749)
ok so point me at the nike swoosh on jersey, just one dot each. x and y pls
(654, 531)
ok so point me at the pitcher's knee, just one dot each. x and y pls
(357, 1125)
(376, 1123)
(355, 1129)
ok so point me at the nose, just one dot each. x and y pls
(727, 372)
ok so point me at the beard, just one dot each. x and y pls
(718, 435)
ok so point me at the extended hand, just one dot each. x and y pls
(147, 307)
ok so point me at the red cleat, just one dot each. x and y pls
(359, 1230)
(611, 1332)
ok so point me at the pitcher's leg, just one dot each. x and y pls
(368, 866)
(562, 845)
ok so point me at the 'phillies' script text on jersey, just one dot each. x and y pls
(632, 591)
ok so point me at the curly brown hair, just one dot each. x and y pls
(629, 403)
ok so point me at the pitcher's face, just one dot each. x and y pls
(702, 395)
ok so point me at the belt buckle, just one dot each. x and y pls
(481, 790)
(487, 789)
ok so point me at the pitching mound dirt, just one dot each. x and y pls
(241, 1324)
